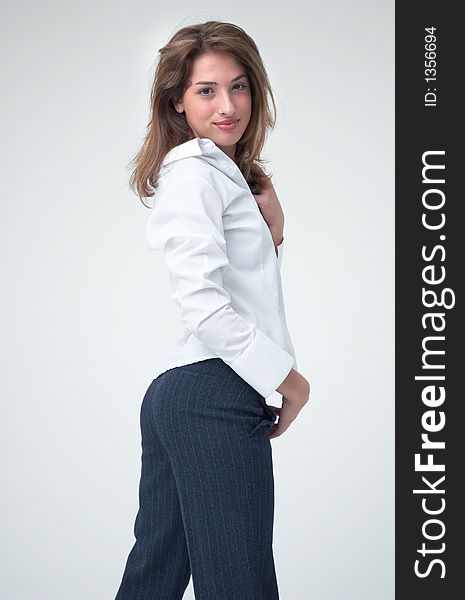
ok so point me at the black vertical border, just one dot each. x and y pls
(420, 129)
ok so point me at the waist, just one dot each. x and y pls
(215, 367)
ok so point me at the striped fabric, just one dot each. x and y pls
(206, 492)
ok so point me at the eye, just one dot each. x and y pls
(200, 92)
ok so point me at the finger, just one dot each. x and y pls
(274, 432)
(277, 430)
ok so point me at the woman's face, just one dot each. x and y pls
(219, 91)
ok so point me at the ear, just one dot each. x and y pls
(177, 105)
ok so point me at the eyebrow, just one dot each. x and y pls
(214, 82)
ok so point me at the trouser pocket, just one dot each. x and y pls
(266, 420)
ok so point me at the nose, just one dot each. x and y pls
(225, 105)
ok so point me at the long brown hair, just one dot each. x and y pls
(167, 128)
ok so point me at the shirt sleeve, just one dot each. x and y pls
(187, 224)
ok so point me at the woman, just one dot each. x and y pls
(207, 490)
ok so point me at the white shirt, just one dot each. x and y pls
(224, 272)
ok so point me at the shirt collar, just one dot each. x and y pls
(209, 151)
(189, 148)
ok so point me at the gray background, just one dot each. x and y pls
(85, 307)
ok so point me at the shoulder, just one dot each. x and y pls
(189, 180)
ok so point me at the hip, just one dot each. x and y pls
(208, 391)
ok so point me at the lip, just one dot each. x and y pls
(227, 125)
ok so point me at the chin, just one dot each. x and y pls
(227, 139)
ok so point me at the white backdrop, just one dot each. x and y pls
(86, 312)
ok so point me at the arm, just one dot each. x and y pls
(187, 224)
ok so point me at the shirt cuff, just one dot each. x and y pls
(264, 364)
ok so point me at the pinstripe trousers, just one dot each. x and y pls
(206, 491)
